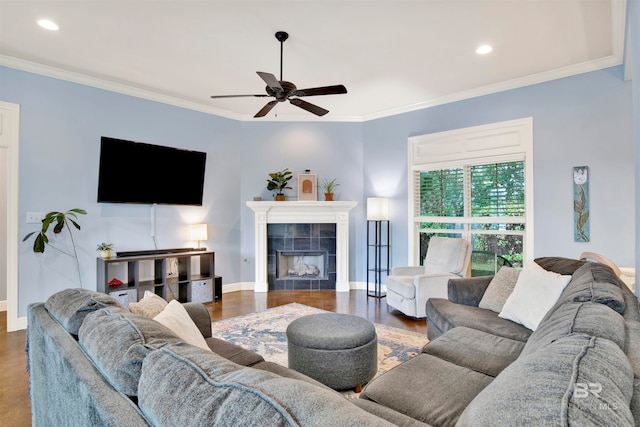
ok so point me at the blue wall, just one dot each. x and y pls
(582, 120)
(60, 130)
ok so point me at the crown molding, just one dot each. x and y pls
(618, 21)
(100, 83)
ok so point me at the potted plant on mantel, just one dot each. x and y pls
(328, 187)
(278, 183)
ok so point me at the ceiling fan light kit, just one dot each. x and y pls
(283, 90)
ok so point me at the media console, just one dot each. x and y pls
(184, 274)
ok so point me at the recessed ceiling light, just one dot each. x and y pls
(48, 24)
(484, 49)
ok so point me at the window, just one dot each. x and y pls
(480, 197)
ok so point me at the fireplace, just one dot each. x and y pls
(300, 265)
(301, 256)
(317, 218)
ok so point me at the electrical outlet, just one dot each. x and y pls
(35, 217)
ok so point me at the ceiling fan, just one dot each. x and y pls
(282, 90)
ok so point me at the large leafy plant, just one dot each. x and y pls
(279, 181)
(60, 221)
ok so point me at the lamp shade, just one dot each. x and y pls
(377, 209)
(198, 232)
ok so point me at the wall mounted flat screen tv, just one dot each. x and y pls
(136, 172)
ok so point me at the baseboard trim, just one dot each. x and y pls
(3, 305)
(250, 286)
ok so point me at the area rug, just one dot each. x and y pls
(264, 332)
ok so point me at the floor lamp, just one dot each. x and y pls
(378, 247)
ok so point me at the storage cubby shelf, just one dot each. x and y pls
(187, 284)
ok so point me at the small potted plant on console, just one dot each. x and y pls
(105, 250)
(278, 182)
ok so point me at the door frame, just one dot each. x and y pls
(11, 126)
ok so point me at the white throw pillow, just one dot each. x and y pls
(536, 291)
(149, 306)
(175, 317)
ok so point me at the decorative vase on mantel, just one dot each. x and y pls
(328, 197)
(279, 197)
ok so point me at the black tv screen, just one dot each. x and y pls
(136, 172)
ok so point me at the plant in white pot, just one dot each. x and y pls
(105, 250)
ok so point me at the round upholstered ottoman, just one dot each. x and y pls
(339, 350)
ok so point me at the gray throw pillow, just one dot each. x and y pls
(499, 289)
(70, 306)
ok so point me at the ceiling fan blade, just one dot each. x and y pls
(265, 110)
(318, 111)
(270, 80)
(238, 96)
(325, 90)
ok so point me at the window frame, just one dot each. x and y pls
(486, 144)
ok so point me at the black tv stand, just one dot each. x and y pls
(183, 274)
(159, 251)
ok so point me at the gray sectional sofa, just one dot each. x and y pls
(94, 363)
(581, 366)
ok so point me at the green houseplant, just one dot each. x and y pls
(328, 187)
(105, 249)
(61, 220)
(278, 182)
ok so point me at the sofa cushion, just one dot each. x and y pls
(535, 292)
(446, 315)
(499, 289)
(588, 317)
(427, 388)
(595, 282)
(70, 306)
(149, 306)
(576, 380)
(175, 317)
(560, 265)
(184, 385)
(632, 351)
(479, 351)
(117, 341)
(233, 352)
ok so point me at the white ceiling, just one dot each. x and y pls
(393, 56)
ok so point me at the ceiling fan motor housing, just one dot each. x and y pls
(281, 95)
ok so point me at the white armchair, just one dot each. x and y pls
(409, 288)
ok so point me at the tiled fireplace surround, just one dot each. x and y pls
(301, 238)
(316, 217)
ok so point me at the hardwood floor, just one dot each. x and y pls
(14, 380)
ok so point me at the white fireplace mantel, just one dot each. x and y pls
(268, 212)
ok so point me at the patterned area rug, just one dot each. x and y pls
(264, 332)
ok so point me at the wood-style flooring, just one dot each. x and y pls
(14, 380)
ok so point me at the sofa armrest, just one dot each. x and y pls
(468, 290)
(200, 316)
(407, 271)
